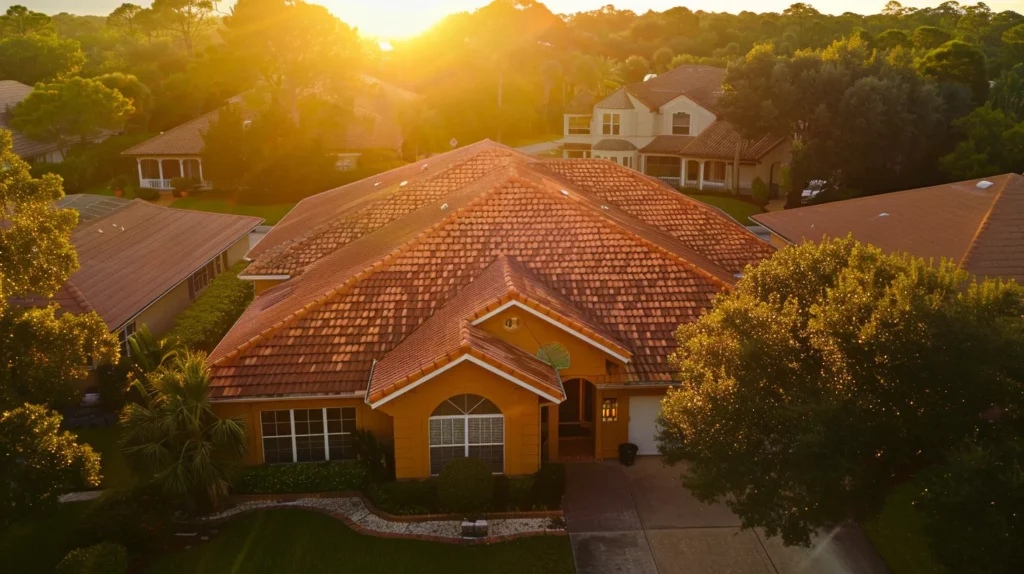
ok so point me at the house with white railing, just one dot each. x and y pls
(668, 127)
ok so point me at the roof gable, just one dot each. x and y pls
(701, 84)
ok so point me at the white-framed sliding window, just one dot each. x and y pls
(308, 435)
(467, 426)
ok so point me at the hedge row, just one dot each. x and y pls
(303, 477)
(206, 321)
(540, 491)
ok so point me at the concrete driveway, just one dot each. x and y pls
(640, 519)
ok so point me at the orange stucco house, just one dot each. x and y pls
(427, 303)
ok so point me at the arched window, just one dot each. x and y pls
(467, 426)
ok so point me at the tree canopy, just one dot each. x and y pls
(38, 58)
(833, 371)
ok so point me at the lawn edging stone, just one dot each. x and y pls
(359, 515)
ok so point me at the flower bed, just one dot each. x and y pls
(306, 477)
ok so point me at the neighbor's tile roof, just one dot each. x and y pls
(717, 141)
(702, 84)
(981, 229)
(625, 255)
(11, 94)
(132, 256)
(186, 139)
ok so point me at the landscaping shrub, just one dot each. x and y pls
(515, 493)
(205, 322)
(549, 486)
(147, 193)
(307, 477)
(92, 164)
(759, 191)
(379, 456)
(466, 485)
(137, 518)
(102, 558)
(113, 384)
(405, 497)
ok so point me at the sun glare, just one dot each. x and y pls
(396, 19)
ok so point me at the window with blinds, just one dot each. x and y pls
(467, 426)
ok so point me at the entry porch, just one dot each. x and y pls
(158, 172)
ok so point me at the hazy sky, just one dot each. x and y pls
(406, 17)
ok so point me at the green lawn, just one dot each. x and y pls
(113, 465)
(736, 208)
(898, 534)
(275, 541)
(38, 545)
(270, 213)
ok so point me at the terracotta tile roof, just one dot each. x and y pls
(617, 100)
(702, 84)
(669, 144)
(134, 255)
(614, 144)
(982, 229)
(448, 334)
(718, 141)
(615, 264)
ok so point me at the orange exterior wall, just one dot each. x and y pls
(585, 360)
(366, 418)
(261, 285)
(609, 435)
(411, 411)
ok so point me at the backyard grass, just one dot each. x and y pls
(898, 534)
(113, 464)
(37, 545)
(736, 208)
(275, 541)
(270, 213)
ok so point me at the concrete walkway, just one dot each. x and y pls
(640, 519)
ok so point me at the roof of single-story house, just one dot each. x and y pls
(11, 94)
(386, 279)
(976, 223)
(131, 253)
(375, 125)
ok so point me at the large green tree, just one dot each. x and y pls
(43, 353)
(38, 58)
(958, 63)
(39, 462)
(20, 21)
(993, 144)
(187, 20)
(175, 438)
(71, 112)
(833, 371)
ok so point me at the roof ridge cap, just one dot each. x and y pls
(357, 277)
(972, 245)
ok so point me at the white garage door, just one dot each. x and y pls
(642, 428)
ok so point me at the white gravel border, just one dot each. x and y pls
(356, 511)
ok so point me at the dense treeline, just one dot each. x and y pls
(946, 80)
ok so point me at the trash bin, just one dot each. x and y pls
(627, 453)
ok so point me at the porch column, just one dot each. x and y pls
(700, 185)
(200, 161)
(138, 162)
(598, 423)
(552, 432)
(682, 170)
(181, 168)
(160, 164)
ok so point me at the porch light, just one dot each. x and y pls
(609, 410)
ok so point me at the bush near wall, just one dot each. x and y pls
(205, 323)
(91, 164)
(540, 491)
(304, 477)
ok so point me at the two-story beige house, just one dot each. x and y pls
(667, 127)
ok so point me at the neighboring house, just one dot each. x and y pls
(427, 304)
(142, 264)
(667, 127)
(176, 152)
(976, 223)
(30, 150)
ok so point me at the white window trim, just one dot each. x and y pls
(689, 122)
(293, 434)
(612, 122)
(465, 433)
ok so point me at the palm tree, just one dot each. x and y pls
(149, 353)
(173, 436)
